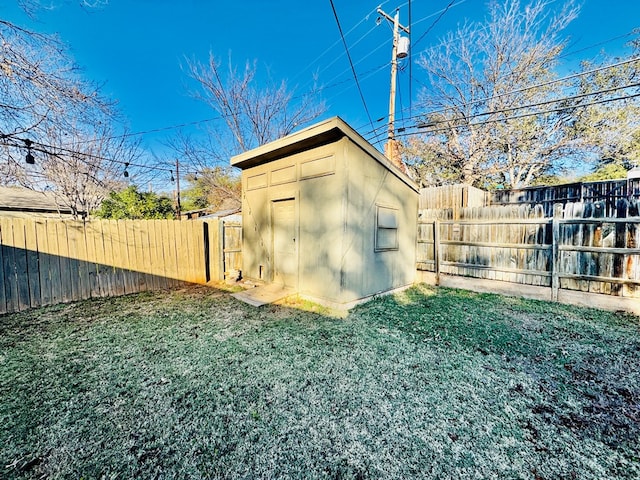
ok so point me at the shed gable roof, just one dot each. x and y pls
(322, 133)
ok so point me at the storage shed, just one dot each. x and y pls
(326, 214)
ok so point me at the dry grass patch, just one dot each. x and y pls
(433, 383)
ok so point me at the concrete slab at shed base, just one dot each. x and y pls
(264, 294)
(272, 293)
(353, 303)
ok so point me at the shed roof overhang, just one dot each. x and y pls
(322, 133)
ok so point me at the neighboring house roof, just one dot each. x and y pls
(230, 206)
(319, 134)
(191, 214)
(223, 213)
(19, 199)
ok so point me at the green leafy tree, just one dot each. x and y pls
(212, 188)
(131, 204)
(609, 120)
(611, 171)
(545, 180)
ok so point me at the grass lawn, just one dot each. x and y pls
(431, 383)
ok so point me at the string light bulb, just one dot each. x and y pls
(30, 159)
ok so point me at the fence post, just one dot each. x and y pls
(207, 251)
(555, 251)
(436, 250)
(223, 267)
(622, 209)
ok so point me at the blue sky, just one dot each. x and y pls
(136, 47)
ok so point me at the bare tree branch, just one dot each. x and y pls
(64, 121)
(472, 72)
(252, 114)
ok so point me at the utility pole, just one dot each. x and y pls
(178, 206)
(400, 50)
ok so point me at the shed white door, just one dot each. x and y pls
(285, 243)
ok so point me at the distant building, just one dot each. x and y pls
(326, 214)
(23, 202)
(229, 206)
(194, 214)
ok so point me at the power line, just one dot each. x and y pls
(444, 11)
(363, 77)
(352, 45)
(315, 90)
(552, 110)
(550, 82)
(155, 130)
(530, 87)
(603, 42)
(524, 115)
(363, 19)
(569, 76)
(538, 104)
(410, 63)
(355, 76)
(373, 70)
(197, 122)
(561, 56)
(98, 157)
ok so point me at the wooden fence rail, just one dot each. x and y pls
(44, 262)
(573, 251)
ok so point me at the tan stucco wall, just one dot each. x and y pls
(314, 179)
(321, 225)
(368, 271)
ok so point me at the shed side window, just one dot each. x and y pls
(386, 229)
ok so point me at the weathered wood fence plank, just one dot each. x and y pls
(3, 283)
(199, 253)
(555, 255)
(157, 260)
(9, 265)
(31, 247)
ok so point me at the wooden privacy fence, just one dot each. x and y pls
(44, 262)
(231, 247)
(454, 197)
(605, 193)
(576, 250)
